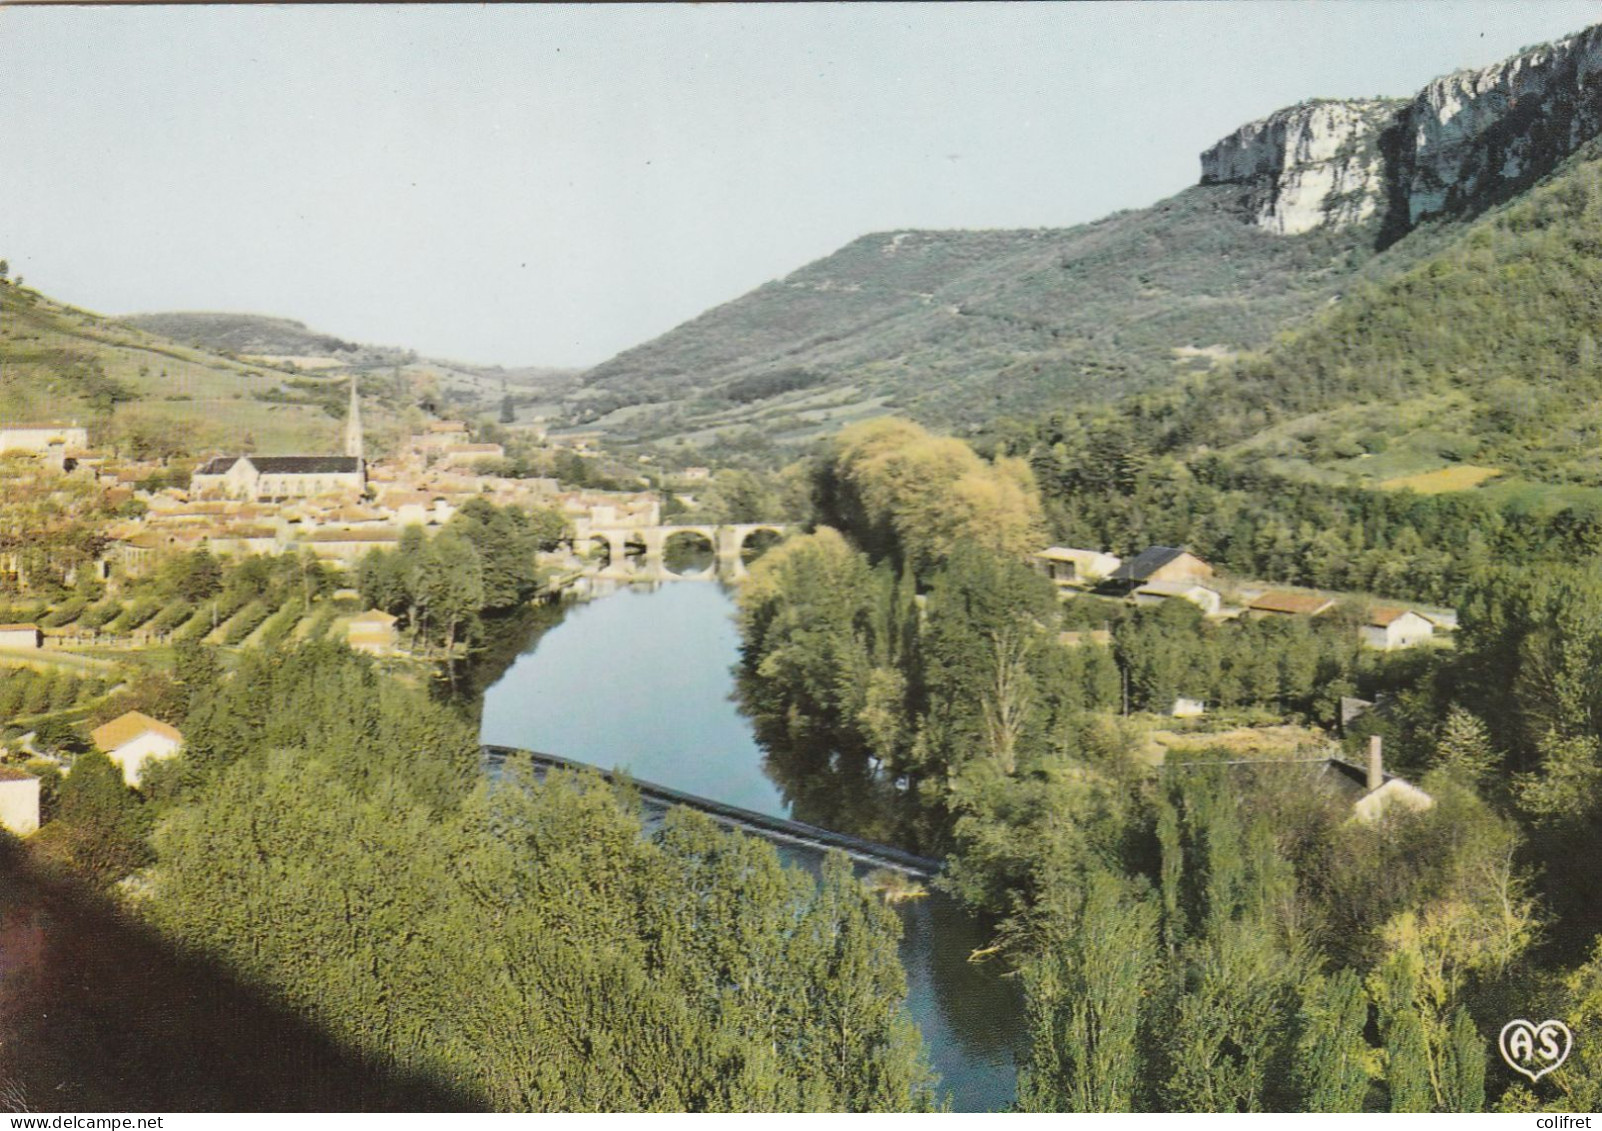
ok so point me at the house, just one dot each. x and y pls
(1186, 708)
(21, 636)
(350, 546)
(1282, 602)
(279, 477)
(372, 631)
(441, 434)
(1378, 792)
(19, 801)
(135, 738)
(1388, 627)
(1368, 790)
(1207, 600)
(1066, 566)
(1161, 563)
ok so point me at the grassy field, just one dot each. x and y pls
(58, 362)
(1458, 477)
(1528, 497)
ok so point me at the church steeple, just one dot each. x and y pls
(353, 424)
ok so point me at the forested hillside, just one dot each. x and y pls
(1485, 353)
(952, 327)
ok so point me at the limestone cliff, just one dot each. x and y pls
(1312, 165)
(1462, 141)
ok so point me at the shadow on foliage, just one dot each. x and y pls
(98, 1012)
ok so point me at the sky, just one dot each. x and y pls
(549, 185)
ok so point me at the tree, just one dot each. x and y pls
(1332, 1058)
(194, 576)
(104, 826)
(1464, 748)
(60, 736)
(450, 584)
(1086, 999)
(506, 543)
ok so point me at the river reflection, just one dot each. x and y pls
(643, 681)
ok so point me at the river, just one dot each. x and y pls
(642, 680)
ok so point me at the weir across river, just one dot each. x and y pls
(775, 829)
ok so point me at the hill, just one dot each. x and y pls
(259, 336)
(952, 328)
(453, 387)
(145, 394)
(1475, 368)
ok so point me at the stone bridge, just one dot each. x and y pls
(726, 543)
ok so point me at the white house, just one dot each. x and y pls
(1390, 627)
(372, 631)
(21, 636)
(1156, 592)
(19, 801)
(133, 739)
(1067, 566)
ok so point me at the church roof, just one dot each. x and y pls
(217, 465)
(306, 465)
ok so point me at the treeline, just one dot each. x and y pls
(1238, 944)
(920, 639)
(328, 834)
(1107, 484)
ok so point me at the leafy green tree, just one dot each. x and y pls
(1332, 1057)
(1464, 747)
(1463, 1067)
(450, 585)
(1086, 996)
(104, 826)
(505, 542)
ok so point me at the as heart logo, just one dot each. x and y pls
(1535, 1049)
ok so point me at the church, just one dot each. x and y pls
(273, 478)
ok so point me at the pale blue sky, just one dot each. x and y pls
(549, 185)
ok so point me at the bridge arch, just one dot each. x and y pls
(687, 541)
(743, 533)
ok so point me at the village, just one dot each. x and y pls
(61, 658)
(333, 510)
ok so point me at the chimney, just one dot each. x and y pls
(1376, 764)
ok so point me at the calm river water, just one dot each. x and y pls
(642, 680)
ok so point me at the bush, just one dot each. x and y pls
(246, 621)
(172, 616)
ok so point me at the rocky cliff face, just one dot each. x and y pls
(1311, 165)
(1461, 141)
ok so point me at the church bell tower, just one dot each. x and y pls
(353, 424)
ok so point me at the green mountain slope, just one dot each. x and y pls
(252, 334)
(956, 327)
(147, 395)
(1487, 354)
